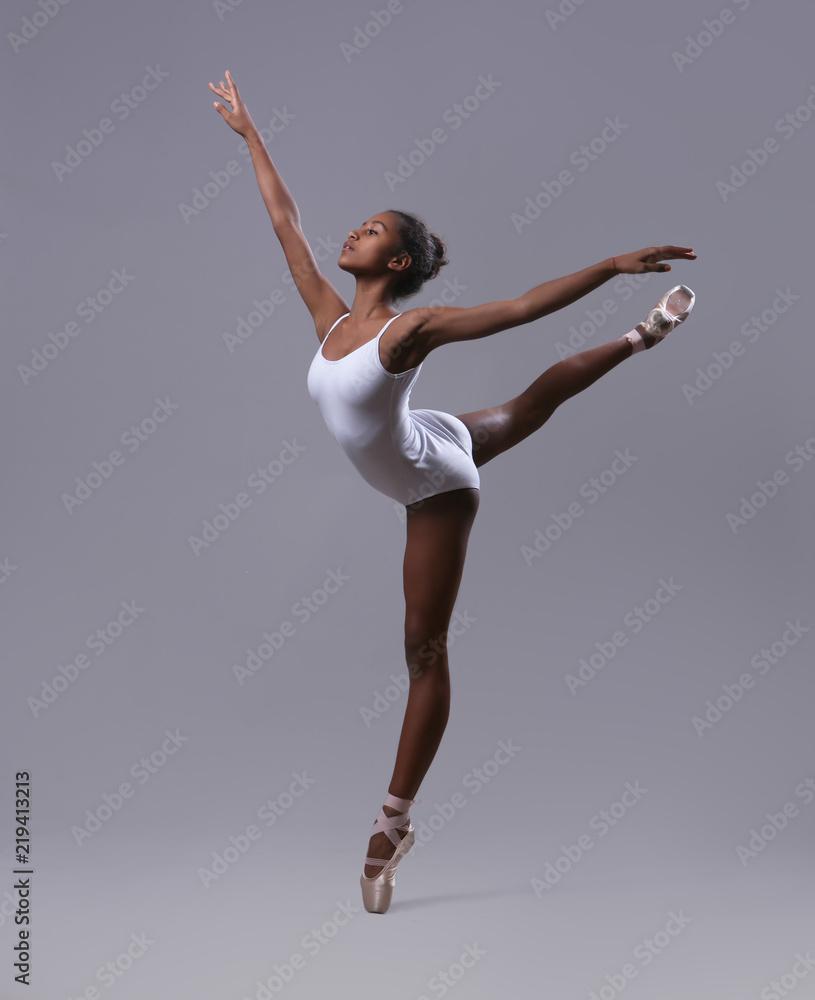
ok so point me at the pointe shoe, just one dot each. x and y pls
(671, 310)
(378, 891)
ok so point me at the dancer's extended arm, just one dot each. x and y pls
(320, 296)
(445, 324)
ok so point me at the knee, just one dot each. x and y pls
(425, 654)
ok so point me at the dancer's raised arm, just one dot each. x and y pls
(447, 324)
(321, 298)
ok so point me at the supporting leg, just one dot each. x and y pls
(438, 530)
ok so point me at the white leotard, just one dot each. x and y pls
(406, 454)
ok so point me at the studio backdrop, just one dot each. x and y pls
(203, 676)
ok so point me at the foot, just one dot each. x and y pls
(380, 845)
(648, 338)
(671, 310)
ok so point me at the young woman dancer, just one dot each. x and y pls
(428, 460)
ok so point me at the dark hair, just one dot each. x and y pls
(426, 251)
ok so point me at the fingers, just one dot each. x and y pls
(675, 252)
(233, 85)
(228, 90)
(651, 257)
(221, 93)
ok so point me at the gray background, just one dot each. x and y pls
(162, 337)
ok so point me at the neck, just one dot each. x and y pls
(372, 300)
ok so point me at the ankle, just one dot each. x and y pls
(639, 339)
(399, 803)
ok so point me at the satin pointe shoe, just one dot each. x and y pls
(671, 310)
(378, 891)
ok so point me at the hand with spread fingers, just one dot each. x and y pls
(238, 118)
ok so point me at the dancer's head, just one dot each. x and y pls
(395, 246)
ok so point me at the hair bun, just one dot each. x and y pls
(440, 252)
(427, 252)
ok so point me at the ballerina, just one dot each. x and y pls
(361, 377)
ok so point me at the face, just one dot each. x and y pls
(370, 249)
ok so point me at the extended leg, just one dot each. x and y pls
(498, 428)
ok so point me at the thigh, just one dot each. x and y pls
(498, 428)
(495, 429)
(438, 530)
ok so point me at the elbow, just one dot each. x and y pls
(522, 310)
(284, 222)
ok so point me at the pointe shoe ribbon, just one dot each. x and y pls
(378, 891)
(388, 824)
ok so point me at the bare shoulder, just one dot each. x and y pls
(404, 345)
